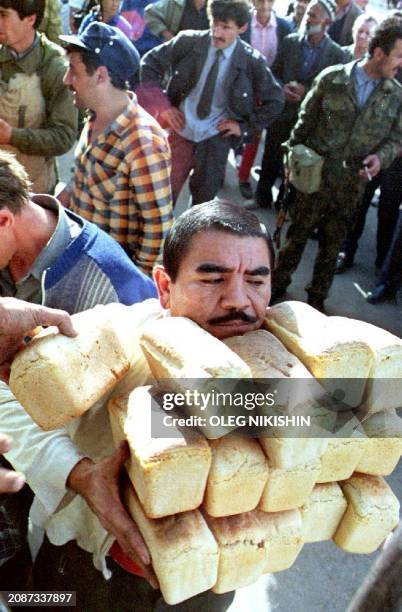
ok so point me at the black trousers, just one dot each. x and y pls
(390, 182)
(70, 568)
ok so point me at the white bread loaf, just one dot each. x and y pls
(241, 541)
(182, 355)
(383, 446)
(169, 474)
(183, 550)
(176, 347)
(384, 387)
(237, 477)
(57, 378)
(322, 512)
(372, 513)
(324, 347)
(284, 539)
(340, 458)
(287, 453)
(266, 356)
(287, 489)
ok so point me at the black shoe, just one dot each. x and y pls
(380, 293)
(316, 302)
(245, 190)
(343, 262)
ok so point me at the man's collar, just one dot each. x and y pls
(20, 56)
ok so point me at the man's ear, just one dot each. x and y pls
(6, 218)
(163, 282)
(32, 19)
(102, 74)
(243, 28)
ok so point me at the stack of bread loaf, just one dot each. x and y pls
(218, 509)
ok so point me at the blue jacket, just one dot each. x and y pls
(92, 270)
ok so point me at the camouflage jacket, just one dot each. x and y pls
(331, 122)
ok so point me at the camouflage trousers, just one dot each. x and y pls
(332, 210)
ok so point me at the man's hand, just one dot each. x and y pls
(173, 118)
(5, 132)
(372, 166)
(294, 92)
(98, 483)
(166, 35)
(17, 318)
(10, 482)
(229, 127)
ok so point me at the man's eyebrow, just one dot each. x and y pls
(211, 268)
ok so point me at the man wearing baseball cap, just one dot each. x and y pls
(122, 165)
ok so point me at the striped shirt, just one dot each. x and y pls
(122, 183)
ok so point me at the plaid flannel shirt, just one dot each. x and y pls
(122, 183)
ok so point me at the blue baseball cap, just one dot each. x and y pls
(110, 45)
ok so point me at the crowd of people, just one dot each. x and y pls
(151, 94)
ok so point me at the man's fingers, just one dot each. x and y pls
(59, 318)
(11, 482)
(5, 443)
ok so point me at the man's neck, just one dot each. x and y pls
(106, 114)
(263, 19)
(371, 69)
(315, 39)
(36, 226)
(24, 44)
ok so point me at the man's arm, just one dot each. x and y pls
(268, 95)
(158, 17)
(152, 195)
(59, 132)
(98, 484)
(308, 114)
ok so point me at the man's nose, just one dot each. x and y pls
(235, 295)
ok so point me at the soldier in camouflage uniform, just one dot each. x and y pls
(352, 116)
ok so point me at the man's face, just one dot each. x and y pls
(363, 34)
(223, 283)
(300, 8)
(110, 7)
(224, 33)
(316, 18)
(388, 65)
(264, 8)
(15, 32)
(79, 81)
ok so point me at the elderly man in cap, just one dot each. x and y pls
(122, 164)
(304, 54)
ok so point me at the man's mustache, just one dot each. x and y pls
(233, 315)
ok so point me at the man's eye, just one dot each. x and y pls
(211, 281)
(256, 282)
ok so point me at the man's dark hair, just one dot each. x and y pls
(92, 62)
(386, 35)
(217, 215)
(25, 8)
(224, 10)
(14, 183)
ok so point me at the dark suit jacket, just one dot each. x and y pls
(345, 37)
(288, 66)
(283, 29)
(255, 99)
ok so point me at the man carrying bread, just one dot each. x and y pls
(51, 256)
(216, 271)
